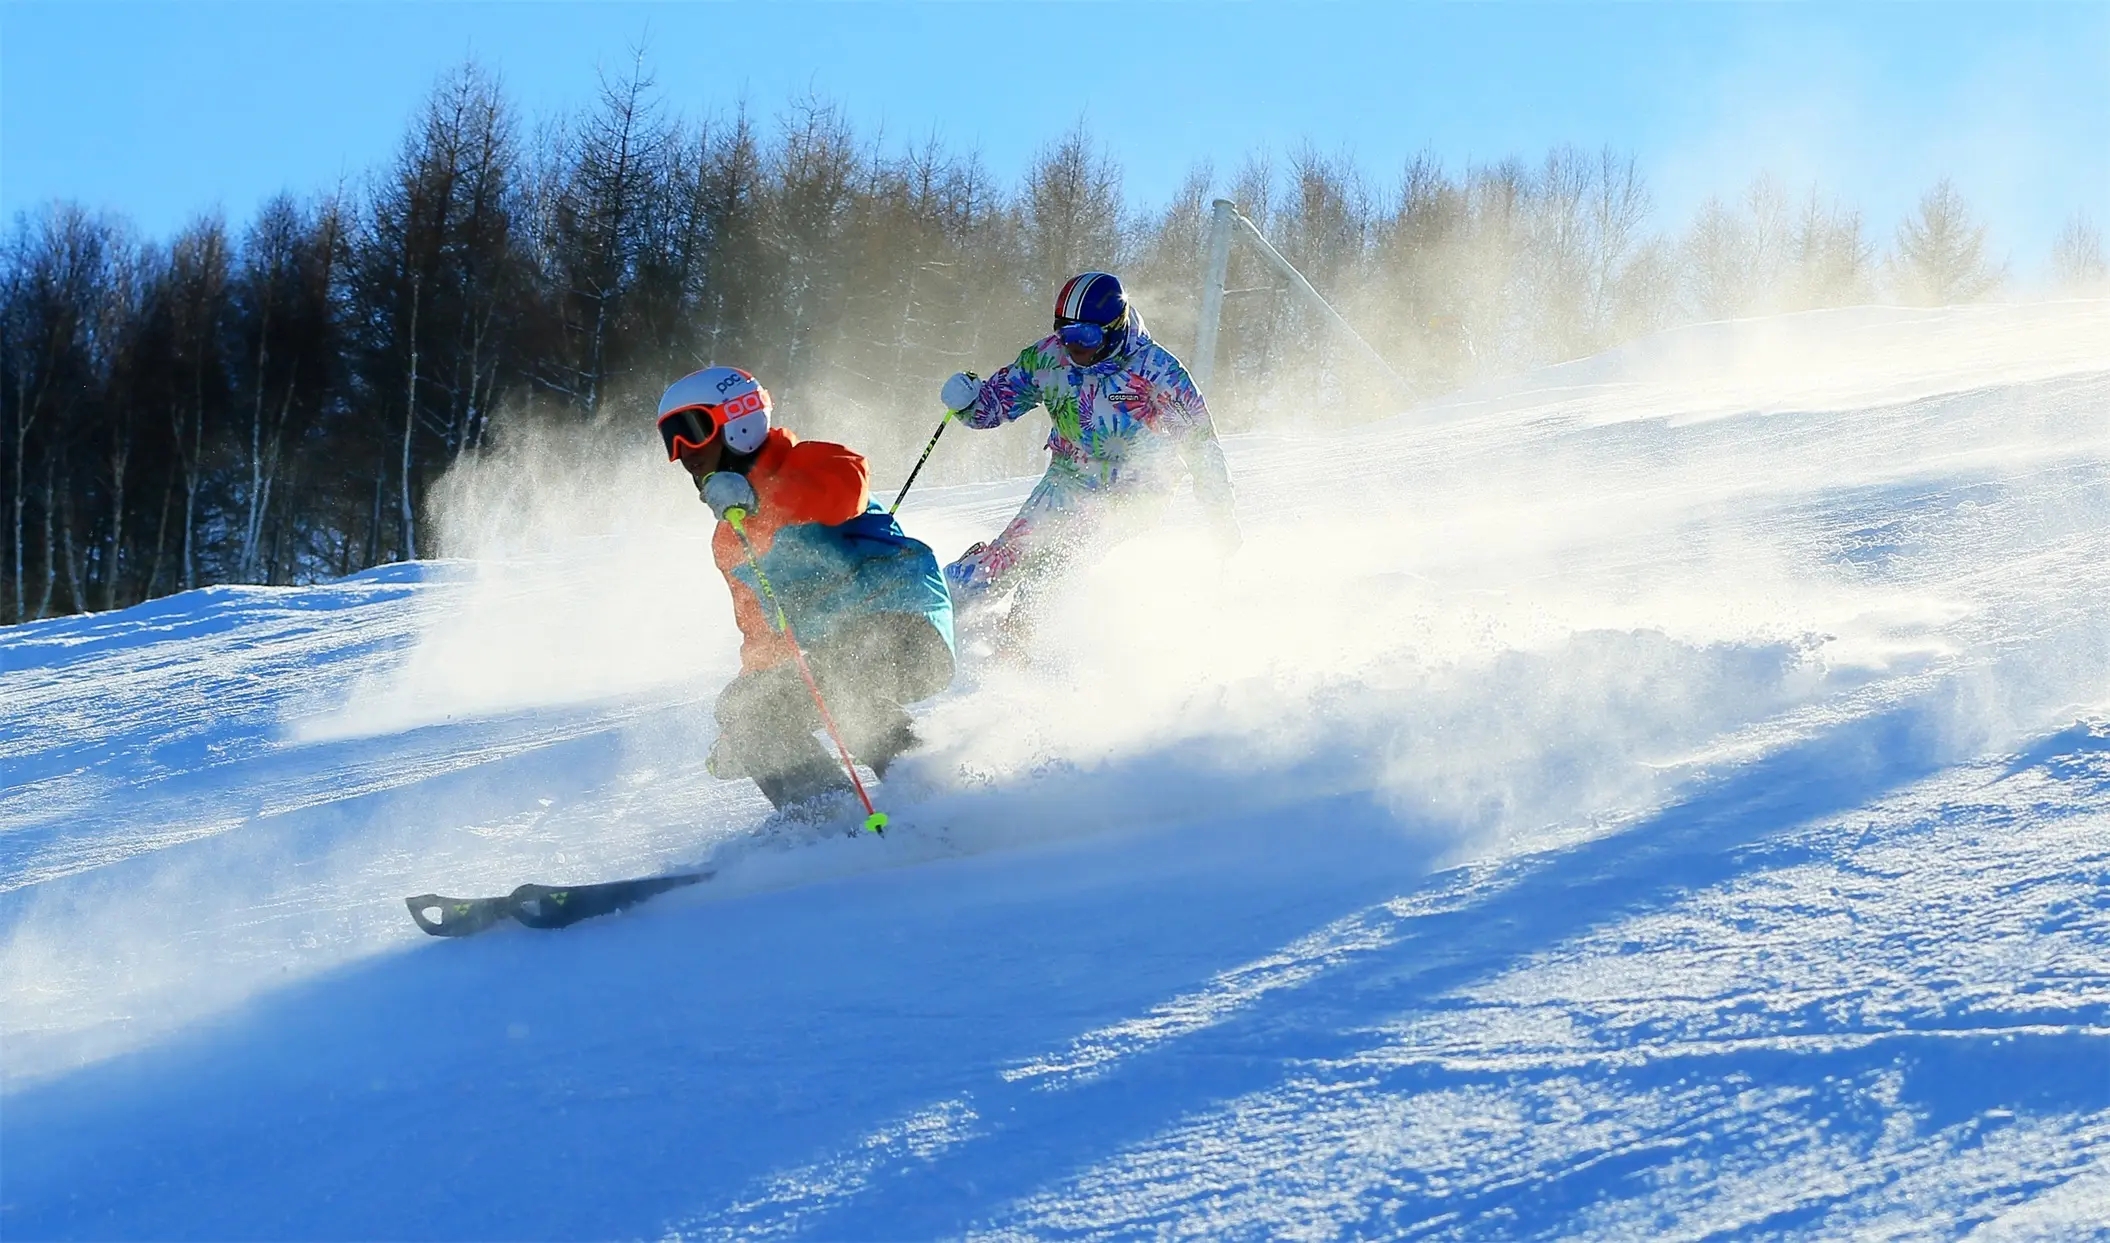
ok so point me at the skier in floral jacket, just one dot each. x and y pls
(1125, 415)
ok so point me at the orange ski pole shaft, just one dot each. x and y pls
(875, 820)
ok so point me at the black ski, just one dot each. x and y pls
(540, 906)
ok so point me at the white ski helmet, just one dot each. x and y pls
(698, 406)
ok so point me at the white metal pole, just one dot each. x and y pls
(1203, 365)
(1290, 272)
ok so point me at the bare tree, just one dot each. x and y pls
(1619, 204)
(674, 258)
(1831, 261)
(287, 331)
(123, 333)
(2077, 265)
(62, 269)
(813, 181)
(1734, 259)
(1560, 262)
(1072, 211)
(1169, 256)
(619, 149)
(1429, 273)
(1941, 252)
(430, 277)
(196, 297)
(55, 266)
(735, 276)
(488, 274)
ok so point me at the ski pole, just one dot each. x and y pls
(874, 820)
(921, 460)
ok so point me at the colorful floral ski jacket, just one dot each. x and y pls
(1120, 423)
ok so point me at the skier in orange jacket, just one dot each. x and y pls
(865, 600)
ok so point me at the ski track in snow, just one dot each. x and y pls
(1684, 813)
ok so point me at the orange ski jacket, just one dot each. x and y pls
(794, 481)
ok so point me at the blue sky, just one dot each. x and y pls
(160, 110)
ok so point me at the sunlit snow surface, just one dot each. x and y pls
(1665, 796)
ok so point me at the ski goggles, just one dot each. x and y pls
(694, 427)
(1079, 335)
(688, 428)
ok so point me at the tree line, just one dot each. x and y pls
(269, 403)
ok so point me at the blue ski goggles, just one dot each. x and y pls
(1080, 336)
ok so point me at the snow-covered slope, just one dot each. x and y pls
(1665, 795)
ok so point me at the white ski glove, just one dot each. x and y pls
(960, 391)
(725, 491)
